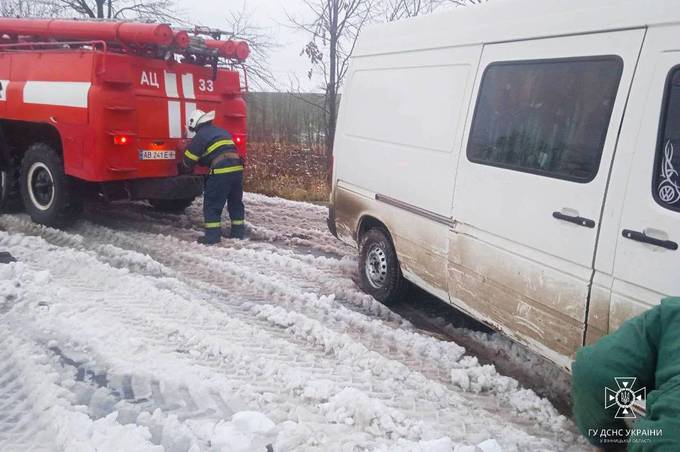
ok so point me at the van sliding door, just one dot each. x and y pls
(529, 196)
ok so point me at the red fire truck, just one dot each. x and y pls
(101, 107)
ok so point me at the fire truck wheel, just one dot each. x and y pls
(44, 186)
(171, 205)
(379, 272)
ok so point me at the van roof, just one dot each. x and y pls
(510, 20)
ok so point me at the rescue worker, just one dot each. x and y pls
(646, 348)
(213, 147)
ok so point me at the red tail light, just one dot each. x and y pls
(120, 140)
(240, 143)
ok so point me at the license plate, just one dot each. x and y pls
(156, 155)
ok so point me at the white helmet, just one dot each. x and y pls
(199, 117)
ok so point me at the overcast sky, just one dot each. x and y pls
(285, 61)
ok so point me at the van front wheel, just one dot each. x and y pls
(379, 272)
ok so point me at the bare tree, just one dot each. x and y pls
(333, 28)
(261, 45)
(144, 10)
(162, 10)
(27, 8)
(401, 9)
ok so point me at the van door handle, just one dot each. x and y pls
(586, 222)
(644, 238)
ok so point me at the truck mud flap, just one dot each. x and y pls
(330, 221)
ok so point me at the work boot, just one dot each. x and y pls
(208, 240)
(237, 232)
(6, 258)
(211, 236)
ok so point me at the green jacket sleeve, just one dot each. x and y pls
(631, 351)
(659, 430)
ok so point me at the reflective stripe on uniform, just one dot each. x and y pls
(212, 224)
(228, 169)
(238, 222)
(190, 156)
(218, 144)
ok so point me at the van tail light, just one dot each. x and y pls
(121, 140)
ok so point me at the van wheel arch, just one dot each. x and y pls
(367, 223)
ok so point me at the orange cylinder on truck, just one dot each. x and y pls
(182, 39)
(230, 49)
(126, 32)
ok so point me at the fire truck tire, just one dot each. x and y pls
(171, 205)
(45, 187)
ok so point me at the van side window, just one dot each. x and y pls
(547, 117)
(666, 184)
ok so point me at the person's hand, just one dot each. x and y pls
(181, 145)
(183, 169)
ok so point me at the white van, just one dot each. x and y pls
(519, 160)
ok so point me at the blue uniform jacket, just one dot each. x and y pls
(209, 142)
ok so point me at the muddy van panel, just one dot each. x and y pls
(598, 311)
(351, 205)
(421, 244)
(554, 336)
(532, 300)
(528, 221)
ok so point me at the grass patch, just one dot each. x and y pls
(287, 171)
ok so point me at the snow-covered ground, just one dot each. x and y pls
(122, 334)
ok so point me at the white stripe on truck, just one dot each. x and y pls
(174, 119)
(63, 94)
(171, 85)
(188, 86)
(4, 84)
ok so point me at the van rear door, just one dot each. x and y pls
(530, 191)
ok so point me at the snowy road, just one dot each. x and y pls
(121, 334)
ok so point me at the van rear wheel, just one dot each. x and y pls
(45, 187)
(379, 272)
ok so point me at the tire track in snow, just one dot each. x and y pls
(293, 319)
(216, 268)
(36, 413)
(153, 322)
(271, 223)
(253, 287)
(284, 272)
(21, 426)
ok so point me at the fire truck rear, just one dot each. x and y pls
(101, 107)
